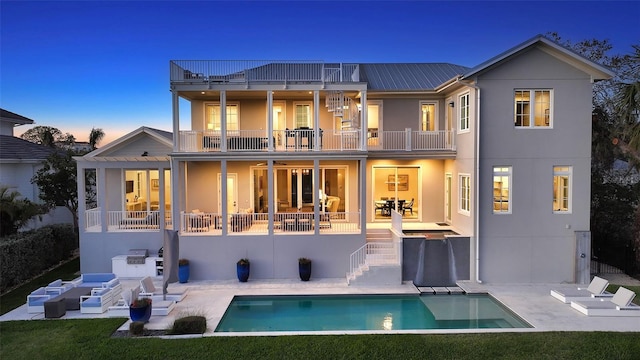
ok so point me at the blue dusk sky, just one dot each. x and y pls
(75, 65)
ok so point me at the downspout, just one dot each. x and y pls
(476, 186)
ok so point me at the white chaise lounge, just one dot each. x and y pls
(619, 305)
(149, 290)
(595, 290)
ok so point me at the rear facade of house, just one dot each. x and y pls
(337, 162)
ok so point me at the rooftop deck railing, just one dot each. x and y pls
(305, 140)
(244, 71)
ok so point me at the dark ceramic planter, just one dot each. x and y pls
(243, 272)
(183, 273)
(305, 271)
(140, 313)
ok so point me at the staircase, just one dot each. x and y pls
(344, 109)
(375, 263)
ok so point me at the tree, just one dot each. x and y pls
(15, 211)
(57, 181)
(95, 136)
(48, 136)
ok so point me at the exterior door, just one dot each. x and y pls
(232, 193)
(279, 123)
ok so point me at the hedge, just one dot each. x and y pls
(29, 254)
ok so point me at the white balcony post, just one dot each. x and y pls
(161, 200)
(316, 120)
(223, 121)
(177, 187)
(316, 194)
(82, 200)
(364, 120)
(362, 195)
(407, 139)
(223, 196)
(176, 120)
(270, 121)
(101, 195)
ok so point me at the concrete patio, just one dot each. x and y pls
(531, 302)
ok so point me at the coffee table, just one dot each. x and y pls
(72, 297)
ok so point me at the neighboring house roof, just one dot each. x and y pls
(8, 116)
(408, 76)
(596, 70)
(13, 149)
(118, 149)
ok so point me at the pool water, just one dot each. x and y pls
(365, 312)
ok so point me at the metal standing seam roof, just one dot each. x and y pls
(13, 148)
(408, 76)
(9, 116)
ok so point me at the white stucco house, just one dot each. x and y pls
(344, 162)
(19, 161)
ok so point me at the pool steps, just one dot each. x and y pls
(440, 290)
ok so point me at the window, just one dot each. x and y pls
(465, 193)
(539, 111)
(464, 112)
(302, 115)
(427, 116)
(501, 189)
(561, 189)
(212, 117)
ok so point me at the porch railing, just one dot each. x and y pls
(92, 218)
(373, 253)
(305, 140)
(246, 71)
(133, 220)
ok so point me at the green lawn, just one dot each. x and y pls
(91, 339)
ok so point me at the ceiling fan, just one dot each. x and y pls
(274, 163)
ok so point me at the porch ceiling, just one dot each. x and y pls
(126, 158)
(256, 94)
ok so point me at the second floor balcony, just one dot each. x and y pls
(308, 140)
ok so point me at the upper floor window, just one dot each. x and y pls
(502, 189)
(427, 116)
(213, 119)
(533, 108)
(302, 113)
(562, 189)
(465, 193)
(464, 112)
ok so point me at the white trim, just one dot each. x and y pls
(460, 192)
(217, 103)
(509, 200)
(293, 118)
(462, 130)
(434, 118)
(569, 175)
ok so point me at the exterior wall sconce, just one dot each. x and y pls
(452, 104)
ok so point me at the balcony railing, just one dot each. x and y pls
(258, 223)
(305, 140)
(246, 71)
(92, 219)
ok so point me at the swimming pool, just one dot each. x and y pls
(365, 312)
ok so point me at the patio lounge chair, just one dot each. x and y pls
(595, 290)
(619, 305)
(98, 302)
(149, 290)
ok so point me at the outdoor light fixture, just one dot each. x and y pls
(451, 104)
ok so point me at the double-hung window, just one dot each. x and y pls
(533, 108)
(502, 189)
(303, 115)
(213, 118)
(562, 189)
(464, 112)
(465, 193)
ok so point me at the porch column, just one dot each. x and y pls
(175, 100)
(364, 121)
(270, 120)
(316, 195)
(270, 192)
(161, 200)
(101, 197)
(223, 120)
(362, 195)
(316, 120)
(82, 197)
(223, 196)
(177, 187)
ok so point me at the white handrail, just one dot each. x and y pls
(373, 253)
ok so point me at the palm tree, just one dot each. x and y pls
(95, 137)
(628, 107)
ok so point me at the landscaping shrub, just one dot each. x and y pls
(189, 325)
(28, 254)
(136, 328)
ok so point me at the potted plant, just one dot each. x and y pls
(304, 268)
(183, 270)
(243, 267)
(140, 310)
